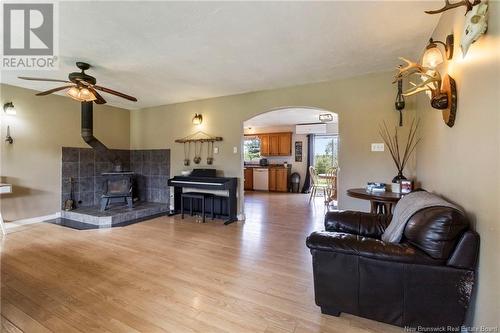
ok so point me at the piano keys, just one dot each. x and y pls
(205, 180)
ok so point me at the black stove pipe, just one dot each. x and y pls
(91, 140)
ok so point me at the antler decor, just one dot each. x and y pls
(443, 92)
(448, 5)
(430, 79)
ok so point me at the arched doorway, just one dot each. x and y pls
(304, 136)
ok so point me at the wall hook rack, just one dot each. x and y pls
(199, 136)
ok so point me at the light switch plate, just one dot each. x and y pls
(216, 150)
(378, 147)
(235, 150)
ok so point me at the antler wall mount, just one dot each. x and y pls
(476, 20)
(443, 91)
(448, 5)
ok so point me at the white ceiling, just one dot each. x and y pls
(287, 117)
(168, 52)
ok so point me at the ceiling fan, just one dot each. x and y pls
(82, 87)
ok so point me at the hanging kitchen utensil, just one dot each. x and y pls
(69, 204)
(187, 148)
(197, 152)
(210, 152)
(198, 138)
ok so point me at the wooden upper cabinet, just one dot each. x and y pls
(276, 144)
(264, 144)
(285, 144)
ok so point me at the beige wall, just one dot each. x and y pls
(463, 163)
(361, 103)
(41, 127)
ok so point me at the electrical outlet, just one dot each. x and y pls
(216, 150)
(378, 147)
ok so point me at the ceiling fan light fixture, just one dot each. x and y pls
(81, 94)
(86, 95)
(73, 92)
(80, 87)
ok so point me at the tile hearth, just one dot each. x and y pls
(116, 215)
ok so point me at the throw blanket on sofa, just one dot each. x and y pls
(406, 208)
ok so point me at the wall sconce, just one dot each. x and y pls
(433, 56)
(443, 90)
(197, 119)
(9, 109)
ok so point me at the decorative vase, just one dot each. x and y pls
(399, 177)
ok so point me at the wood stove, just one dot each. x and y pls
(117, 187)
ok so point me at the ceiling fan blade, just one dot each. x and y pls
(41, 79)
(43, 93)
(99, 99)
(116, 93)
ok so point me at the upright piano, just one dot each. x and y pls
(206, 180)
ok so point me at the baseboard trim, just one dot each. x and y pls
(31, 220)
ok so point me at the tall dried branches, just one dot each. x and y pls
(392, 142)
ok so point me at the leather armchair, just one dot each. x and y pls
(426, 280)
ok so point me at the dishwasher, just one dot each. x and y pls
(261, 179)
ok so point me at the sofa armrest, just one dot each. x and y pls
(466, 252)
(357, 223)
(350, 244)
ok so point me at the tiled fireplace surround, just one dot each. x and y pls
(151, 168)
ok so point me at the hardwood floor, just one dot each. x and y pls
(172, 275)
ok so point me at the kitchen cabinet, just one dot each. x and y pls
(272, 179)
(264, 144)
(276, 144)
(278, 179)
(282, 180)
(248, 176)
(285, 144)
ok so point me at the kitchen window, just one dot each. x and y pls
(251, 148)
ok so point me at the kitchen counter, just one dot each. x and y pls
(251, 166)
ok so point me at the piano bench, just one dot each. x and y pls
(198, 196)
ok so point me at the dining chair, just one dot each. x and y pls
(331, 185)
(315, 183)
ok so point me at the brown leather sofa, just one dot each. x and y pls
(424, 281)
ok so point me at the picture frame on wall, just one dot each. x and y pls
(298, 151)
